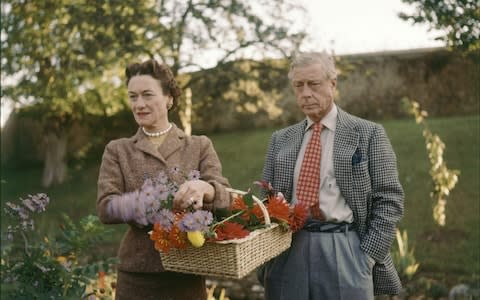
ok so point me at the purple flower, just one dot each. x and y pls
(163, 196)
(23, 213)
(194, 175)
(148, 183)
(155, 194)
(40, 201)
(196, 221)
(162, 191)
(147, 196)
(162, 178)
(165, 218)
(36, 203)
(175, 170)
(29, 204)
(11, 209)
(173, 188)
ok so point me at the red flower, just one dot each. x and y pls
(229, 231)
(257, 211)
(278, 208)
(244, 215)
(298, 217)
(239, 204)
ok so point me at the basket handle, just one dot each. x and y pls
(258, 201)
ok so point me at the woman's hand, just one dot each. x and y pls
(193, 193)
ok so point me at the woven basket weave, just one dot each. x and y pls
(234, 258)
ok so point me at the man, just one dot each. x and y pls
(344, 169)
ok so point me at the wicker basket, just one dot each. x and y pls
(234, 258)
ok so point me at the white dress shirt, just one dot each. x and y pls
(331, 201)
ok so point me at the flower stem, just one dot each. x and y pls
(228, 218)
(232, 216)
(25, 240)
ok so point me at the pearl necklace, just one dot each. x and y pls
(155, 134)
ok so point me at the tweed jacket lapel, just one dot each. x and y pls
(169, 146)
(289, 153)
(344, 146)
(173, 142)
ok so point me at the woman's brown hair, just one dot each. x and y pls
(161, 72)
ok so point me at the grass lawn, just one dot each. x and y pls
(451, 251)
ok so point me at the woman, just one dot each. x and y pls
(157, 146)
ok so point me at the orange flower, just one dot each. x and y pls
(278, 209)
(229, 231)
(160, 237)
(177, 237)
(239, 204)
(244, 215)
(257, 211)
(101, 280)
(298, 217)
(158, 232)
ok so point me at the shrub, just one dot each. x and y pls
(404, 258)
(443, 178)
(35, 266)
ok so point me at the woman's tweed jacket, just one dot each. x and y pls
(127, 162)
(366, 173)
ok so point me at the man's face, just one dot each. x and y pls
(314, 92)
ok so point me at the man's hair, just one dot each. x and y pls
(302, 59)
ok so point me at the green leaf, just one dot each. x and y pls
(248, 199)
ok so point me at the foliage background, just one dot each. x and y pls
(449, 255)
(65, 61)
(369, 85)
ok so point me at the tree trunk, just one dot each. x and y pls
(55, 168)
(186, 116)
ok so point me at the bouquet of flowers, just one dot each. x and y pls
(190, 230)
(178, 229)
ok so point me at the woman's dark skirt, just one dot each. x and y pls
(160, 286)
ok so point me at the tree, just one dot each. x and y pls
(232, 29)
(66, 56)
(58, 52)
(195, 30)
(460, 19)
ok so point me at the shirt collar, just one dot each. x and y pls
(329, 121)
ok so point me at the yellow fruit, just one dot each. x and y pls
(196, 238)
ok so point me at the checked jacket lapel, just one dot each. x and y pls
(287, 158)
(344, 146)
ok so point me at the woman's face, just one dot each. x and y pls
(148, 102)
